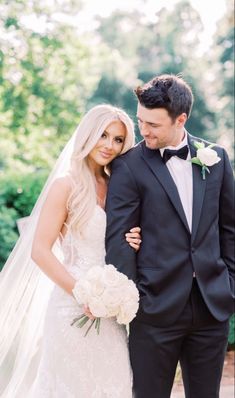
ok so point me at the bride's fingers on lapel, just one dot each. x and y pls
(134, 235)
(135, 229)
(133, 239)
(135, 246)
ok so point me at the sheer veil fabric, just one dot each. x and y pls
(24, 294)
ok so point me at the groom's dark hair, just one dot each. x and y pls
(166, 91)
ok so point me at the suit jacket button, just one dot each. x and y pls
(192, 250)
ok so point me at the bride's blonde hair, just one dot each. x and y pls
(83, 198)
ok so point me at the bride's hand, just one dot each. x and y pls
(88, 313)
(134, 238)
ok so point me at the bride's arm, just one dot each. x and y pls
(51, 220)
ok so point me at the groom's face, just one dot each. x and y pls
(158, 129)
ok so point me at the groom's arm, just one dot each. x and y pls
(227, 219)
(123, 208)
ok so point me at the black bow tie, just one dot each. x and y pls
(181, 153)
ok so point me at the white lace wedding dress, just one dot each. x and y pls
(74, 366)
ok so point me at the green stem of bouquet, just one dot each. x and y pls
(83, 319)
(97, 325)
(92, 322)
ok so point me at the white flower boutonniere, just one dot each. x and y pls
(205, 158)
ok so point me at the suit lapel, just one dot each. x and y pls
(154, 161)
(199, 186)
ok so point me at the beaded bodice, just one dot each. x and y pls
(87, 250)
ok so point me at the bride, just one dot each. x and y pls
(41, 354)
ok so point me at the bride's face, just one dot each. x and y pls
(109, 145)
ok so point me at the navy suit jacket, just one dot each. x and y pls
(142, 193)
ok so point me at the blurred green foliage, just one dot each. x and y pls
(18, 194)
(8, 234)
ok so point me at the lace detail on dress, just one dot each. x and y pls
(83, 252)
(74, 366)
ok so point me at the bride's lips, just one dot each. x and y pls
(106, 155)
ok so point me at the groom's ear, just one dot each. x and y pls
(181, 120)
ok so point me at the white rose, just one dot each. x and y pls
(123, 318)
(112, 297)
(95, 273)
(81, 291)
(128, 309)
(111, 276)
(123, 278)
(127, 312)
(97, 307)
(208, 156)
(113, 311)
(131, 307)
(129, 291)
(97, 288)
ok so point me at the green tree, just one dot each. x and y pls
(222, 79)
(163, 45)
(18, 194)
(47, 72)
(45, 81)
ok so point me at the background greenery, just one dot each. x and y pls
(51, 74)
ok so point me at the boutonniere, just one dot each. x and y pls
(205, 158)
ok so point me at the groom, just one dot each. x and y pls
(185, 267)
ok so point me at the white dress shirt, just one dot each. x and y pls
(181, 172)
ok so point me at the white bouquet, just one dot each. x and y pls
(108, 293)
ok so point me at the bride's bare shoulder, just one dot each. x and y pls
(61, 187)
(64, 181)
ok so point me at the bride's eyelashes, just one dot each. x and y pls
(118, 139)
